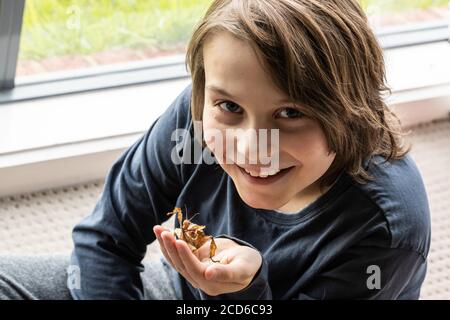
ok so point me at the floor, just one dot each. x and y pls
(45, 219)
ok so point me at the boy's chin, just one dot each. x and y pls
(261, 202)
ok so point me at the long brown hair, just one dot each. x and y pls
(324, 55)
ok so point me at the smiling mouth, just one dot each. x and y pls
(264, 177)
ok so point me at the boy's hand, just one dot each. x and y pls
(238, 264)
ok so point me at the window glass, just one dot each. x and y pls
(62, 35)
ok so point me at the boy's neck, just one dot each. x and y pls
(304, 198)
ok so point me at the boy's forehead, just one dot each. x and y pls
(225, 55)
(233, 69)
(224, 92)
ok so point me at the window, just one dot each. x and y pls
(405, 13)
(61, 35)
(53, 47)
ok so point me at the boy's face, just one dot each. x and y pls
(256, 103)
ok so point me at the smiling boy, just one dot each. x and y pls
(344, 215)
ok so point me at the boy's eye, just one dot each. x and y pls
(229, 106)
(290, 113)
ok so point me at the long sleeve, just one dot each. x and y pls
(140, 188)
(365, 272)
(361, 273)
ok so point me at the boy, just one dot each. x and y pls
(342, 215)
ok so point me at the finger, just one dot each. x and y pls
(169, 243)
(203, 253)
(196, 270)
(222, 244)
(163, 249)
(158, 230)
(192, 265)
(168, 240)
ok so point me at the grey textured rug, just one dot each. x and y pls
(41, 222)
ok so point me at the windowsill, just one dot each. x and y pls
(80, 135)
(89, 116)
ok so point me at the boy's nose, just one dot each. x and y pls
(246, 150)
(253, 148)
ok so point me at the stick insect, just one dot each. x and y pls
(193, 234)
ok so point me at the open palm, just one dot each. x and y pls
(236, 268)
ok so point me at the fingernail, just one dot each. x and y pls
(163, 232)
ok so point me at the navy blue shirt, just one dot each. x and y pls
(356, 241)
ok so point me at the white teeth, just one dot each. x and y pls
(251, 173)
(265, 171)
(263, 174)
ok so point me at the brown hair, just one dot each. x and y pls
(324, 55)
